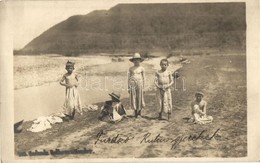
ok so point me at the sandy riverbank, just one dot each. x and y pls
(223, 80)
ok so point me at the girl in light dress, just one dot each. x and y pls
(163, 82)
(136, 78)
(72, 98)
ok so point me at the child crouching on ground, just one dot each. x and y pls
(113, 108)
(199, 108)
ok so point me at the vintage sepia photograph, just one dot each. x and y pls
(129, 80)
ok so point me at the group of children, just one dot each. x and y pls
(115, 110)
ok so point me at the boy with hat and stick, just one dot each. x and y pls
(113, 108)
(136, 78)
(199, 108)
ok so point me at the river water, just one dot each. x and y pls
(32, 102)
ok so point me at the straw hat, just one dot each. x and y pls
(116, 96)
(136, 56)
(199, 94)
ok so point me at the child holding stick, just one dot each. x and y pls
(163, 83)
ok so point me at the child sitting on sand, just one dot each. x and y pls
(163, 82)
(72, 98)
(136, 77)
(199, 107)
(113, 108)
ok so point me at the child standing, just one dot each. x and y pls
(163, 83)
(136, 78)
(72, 98)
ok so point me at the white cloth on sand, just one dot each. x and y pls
(44, 123)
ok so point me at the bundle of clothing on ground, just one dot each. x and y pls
(44, 123)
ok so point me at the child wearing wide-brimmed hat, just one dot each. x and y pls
(113, 108)
(72, 98)
(136, 79)
(199, 109)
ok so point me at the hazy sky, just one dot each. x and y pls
(32, 18)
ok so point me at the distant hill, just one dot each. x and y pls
(151, 27)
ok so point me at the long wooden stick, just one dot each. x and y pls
(162, 102)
